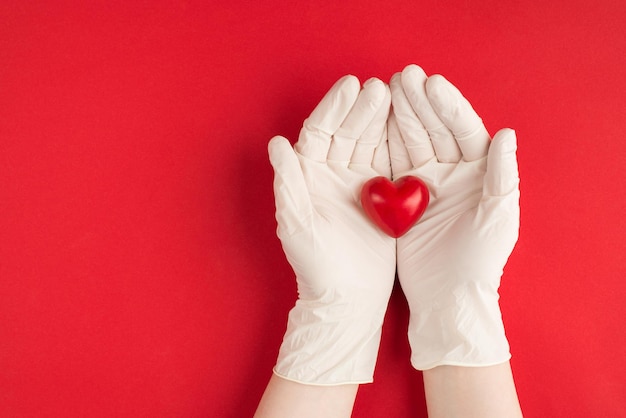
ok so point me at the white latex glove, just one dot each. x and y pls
(451, 261)
(344, 265)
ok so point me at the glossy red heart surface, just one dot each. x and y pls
(395, 206)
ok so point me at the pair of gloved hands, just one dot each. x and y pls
(449, 264)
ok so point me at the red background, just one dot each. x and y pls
(140, 275)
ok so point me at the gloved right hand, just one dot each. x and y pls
(344, 265)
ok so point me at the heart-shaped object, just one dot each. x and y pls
(395, 206)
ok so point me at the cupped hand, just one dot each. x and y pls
(451, 261)
(344, 265)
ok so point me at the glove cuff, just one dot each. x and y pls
(467, 332)
(331, 344)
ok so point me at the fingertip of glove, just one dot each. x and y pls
(376, 89)
(413, 83)
(349, 81)
(413, 70)
(373, 81)
(437, 87)
(276, 146)
(505, 140)
(504, 133)
(275, 141)
(395, 89)
(502, 175)
(395, 79)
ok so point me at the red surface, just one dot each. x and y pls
(394, 206)
(140, 275)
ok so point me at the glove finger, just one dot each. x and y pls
(293, 205)
(357, 121)
(326, 118)
(398, 154)
(373, 137)
(381, 162)
(459, 116)
(415, 136)
(443, 142)
(502, 176)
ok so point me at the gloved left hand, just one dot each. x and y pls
(451, 261)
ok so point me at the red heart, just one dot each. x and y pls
(395, 207)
